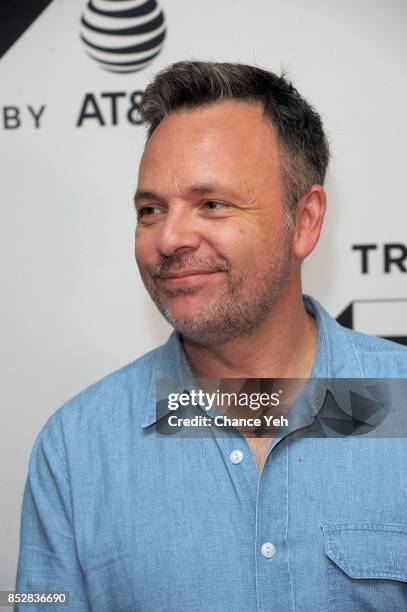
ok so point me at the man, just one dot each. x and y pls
(229, 203)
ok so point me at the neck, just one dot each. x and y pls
(283, 346)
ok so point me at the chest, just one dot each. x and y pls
(259, 448)
(181, 526)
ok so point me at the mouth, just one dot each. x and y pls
(188, 278)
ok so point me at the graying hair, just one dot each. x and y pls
(303, 145)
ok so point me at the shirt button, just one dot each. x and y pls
(236, 456)
(268, 550)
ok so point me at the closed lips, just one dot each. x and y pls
(182, 273)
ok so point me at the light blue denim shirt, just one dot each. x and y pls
(126, 519)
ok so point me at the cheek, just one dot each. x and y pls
(236, 243)
(145, 248)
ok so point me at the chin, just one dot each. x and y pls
(203, 335)
(186, 317)
(188, 306)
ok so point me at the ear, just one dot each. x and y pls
(308, 221)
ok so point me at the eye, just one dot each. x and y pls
(147, 211)
(213, 204)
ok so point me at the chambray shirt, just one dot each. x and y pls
(124, 518)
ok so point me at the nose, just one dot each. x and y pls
(179, 231)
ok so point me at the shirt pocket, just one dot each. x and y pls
(367, 566)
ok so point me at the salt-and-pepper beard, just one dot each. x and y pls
(237, 310)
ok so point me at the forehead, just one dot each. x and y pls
(226, 138)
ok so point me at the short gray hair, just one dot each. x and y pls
(303, 145)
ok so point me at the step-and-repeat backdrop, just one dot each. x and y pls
(72, 73)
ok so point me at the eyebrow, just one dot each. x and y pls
(146, 195)
(204, 188)
(200, 189)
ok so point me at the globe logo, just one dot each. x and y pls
(123, 35)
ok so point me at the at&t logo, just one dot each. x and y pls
(123, 35)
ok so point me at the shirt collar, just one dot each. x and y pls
(169, 365)
(336, 357)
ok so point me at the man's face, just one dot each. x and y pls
(212, 243)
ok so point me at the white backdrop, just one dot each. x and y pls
(73, 307)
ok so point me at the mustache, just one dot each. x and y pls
(186, 262)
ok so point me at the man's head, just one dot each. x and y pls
(231, 152)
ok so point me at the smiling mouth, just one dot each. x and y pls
(188, 278)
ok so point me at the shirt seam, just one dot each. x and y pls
(356, 356)
(287, 526)
(49, 429)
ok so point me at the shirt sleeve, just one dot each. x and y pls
(48, 559)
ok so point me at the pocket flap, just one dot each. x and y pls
(368, 550)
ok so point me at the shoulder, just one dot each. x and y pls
(379, 357)
(369, 344)
(354, 354)
(113, 401)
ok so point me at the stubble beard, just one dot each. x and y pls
(239, 309)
